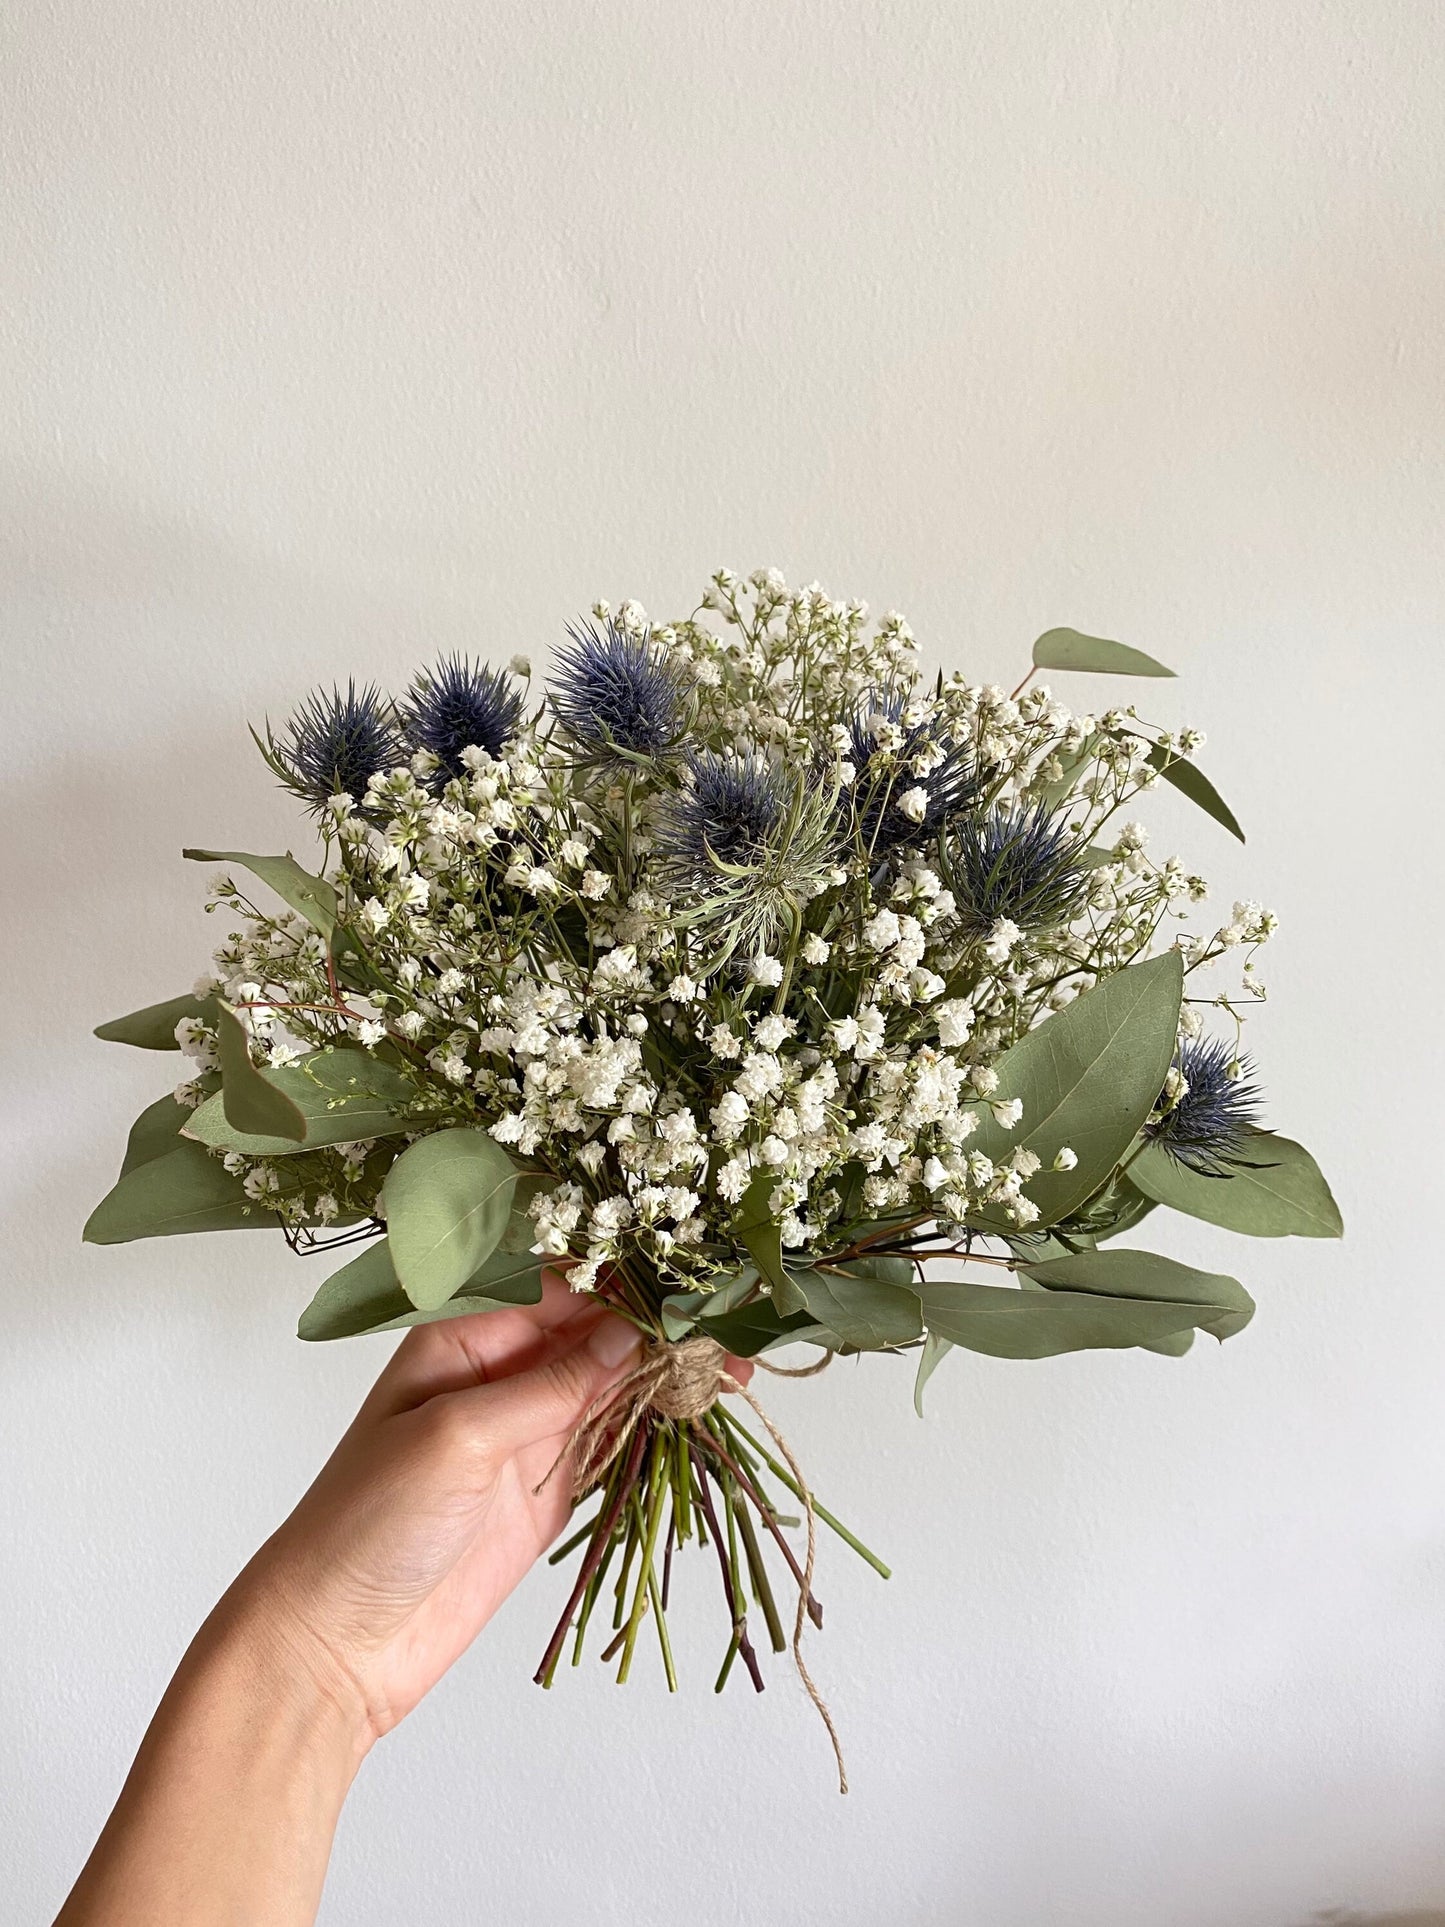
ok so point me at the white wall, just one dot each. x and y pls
(336, 335)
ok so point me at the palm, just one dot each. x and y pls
(414, 1532)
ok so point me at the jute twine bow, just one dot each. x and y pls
(682, 1382)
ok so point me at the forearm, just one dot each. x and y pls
(228, 1814)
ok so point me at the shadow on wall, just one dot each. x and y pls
(1344, 1917)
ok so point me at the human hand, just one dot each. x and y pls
(428, 1512)
(419, 1525)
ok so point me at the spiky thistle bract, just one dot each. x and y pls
(1022, 865)
(459, 705)
(1207, 1120)
(616, 694)
(873, 814)
(334, 744)
(742, 844)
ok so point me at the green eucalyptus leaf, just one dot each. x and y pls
(364, 1296)
(681, 1310)
(311, 896)
(1279, 1193)
(342, 1094)
(520, 1233)
(1191, 781)
(154, 1028)
(250, 1101)
(155, 1132)
(754, 1327)
(446, 1202)
(863, 1312)
(1174, 1346)
(184, 1190)
(1068, 649)
(1090, 1300)
(1088, 1077)
(757, 1232)
(1146, 1278)
(935, 1350)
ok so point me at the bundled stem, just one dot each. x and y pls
(665, 1461)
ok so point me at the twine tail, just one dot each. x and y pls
(805, 1590)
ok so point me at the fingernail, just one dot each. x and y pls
(613, 1341)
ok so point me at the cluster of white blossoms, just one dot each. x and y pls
(744, 916)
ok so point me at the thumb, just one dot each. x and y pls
(512, 1413)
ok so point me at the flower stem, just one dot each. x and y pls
(820, 1509)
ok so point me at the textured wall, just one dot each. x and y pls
(338, 334)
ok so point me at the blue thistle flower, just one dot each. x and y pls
(460, 705)
(1209, 1127)
(334, 743)
(741, 845)
(727, 812)
(613, 691)
(1019, 864)
(951, 786)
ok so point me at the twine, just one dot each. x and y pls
(682, 1382)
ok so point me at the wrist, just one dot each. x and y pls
(296, 1689)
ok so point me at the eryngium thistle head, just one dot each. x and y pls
(1209, 1124)
(460, 705)
(876, 819)
(613, 691)
(335, 743)
(1019, 864)
(741, 844)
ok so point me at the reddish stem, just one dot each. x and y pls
(597, 1545)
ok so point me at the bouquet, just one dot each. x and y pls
(763, 986)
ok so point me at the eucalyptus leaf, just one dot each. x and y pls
(758, 1233)
(862, 1312)
(311, 896)
(364, 1296)
(446, 1202)
(250, 1101)
(681, 1310)
(184, 1190)
(1174, 1346)
(1091, 1300)
(1279, 1193)
(754, 1327)
(1087, 1077)
(1068, 649)
(1147, 1278)
(520, 1233)
(155, 1132)
(341, 1094)
(1191, 781)
(154, 1028)
(935, 1350)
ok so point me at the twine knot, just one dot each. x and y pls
(685, 1378)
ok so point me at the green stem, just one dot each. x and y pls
(727, 1665)
(781, 1472)
(654, 1521)
(589, 1599)
(762, 1590)
(571, 1545)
